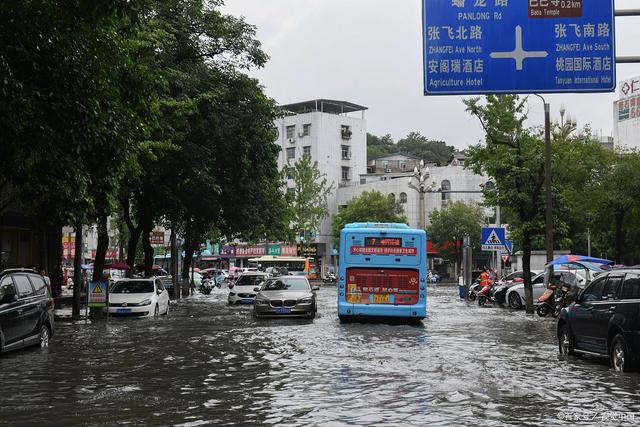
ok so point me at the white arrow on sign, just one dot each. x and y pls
(519, 54)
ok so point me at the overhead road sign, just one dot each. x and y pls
(493, 239)
(518, 46)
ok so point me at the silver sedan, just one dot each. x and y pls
(286, 296)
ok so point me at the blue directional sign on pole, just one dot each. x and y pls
(493, 239)
(508, 248)
(518, 46)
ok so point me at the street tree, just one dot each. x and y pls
(370, 206)
(513, 157)
(450, 224)
(307, 199)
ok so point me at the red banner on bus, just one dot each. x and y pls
(385, 250)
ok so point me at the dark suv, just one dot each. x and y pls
(605, 319)
(26, 310)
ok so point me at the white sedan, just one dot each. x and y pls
(138, 297)
(242, 291)
(515, 294)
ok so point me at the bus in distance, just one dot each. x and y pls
(383, 271)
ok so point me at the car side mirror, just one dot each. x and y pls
(230, 285)
(315, 288)
(256, 289)
(159, 291)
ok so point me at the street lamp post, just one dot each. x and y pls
(419, 183)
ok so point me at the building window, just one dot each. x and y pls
(306, 129)
(289, 176)
(346, 132)
(306, 151)
(403, 197)
(291, 153)
(445, 186)
(291, 132)
(346, 152)
(345, 173)
(403, 165)
(363, 180)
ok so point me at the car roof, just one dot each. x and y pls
(138, 279)
(288, 278)
(253, 273)
(18, 270)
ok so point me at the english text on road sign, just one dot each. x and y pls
(518, 46)
(493, 239)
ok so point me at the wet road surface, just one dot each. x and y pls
(210, 364)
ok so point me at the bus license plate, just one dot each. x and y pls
(381, 298)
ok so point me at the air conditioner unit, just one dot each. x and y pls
(291, 140)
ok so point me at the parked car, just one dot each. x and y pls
(286, 296)
(517, 276)
(605, 320)
(138, 297)
(26, 310)
(515, 294)
(242, 291)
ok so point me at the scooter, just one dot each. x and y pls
(547, 301)
(562, 299)
(206, 287)
(474, 289)
(487, 294)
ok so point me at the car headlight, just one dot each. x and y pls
(145, 302)
(261, 302)
(305, 300)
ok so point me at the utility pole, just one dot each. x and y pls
(498, 254)
(77, 273)
(466, 261)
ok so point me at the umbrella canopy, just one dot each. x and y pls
(195, 270)
(568, 259)
(117, 266)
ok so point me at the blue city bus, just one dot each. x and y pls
(383, 271)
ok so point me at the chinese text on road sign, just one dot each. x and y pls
(493, 239)
(97, 294)
(524, 46)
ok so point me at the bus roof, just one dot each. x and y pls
(395, 225)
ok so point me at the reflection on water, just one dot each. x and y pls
(213, 364)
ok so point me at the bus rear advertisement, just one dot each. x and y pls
(383, 270)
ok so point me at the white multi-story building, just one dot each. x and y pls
(334, 134)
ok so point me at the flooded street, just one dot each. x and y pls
(210, 364)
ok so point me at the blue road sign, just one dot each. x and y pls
(518, 46)
(509, 247)
(493, 239)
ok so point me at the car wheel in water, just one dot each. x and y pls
(620, 357)
(514, 300)
(543, 310)
(565, 345)
(45, 335)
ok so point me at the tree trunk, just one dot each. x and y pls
(186, 261)
(619, 235)
(77, 273)
(148, 249)
(101, 250)
(526, 267)
(134, 233)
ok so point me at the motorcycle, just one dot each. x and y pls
(547, 301)
(330, 278)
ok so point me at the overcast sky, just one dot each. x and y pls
(370, 52)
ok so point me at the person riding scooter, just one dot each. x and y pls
(485, 282)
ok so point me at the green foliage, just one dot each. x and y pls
(449, 226)
(307, 199)
(413, 144)
(370, 206)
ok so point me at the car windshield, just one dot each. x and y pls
(289, 284)
(132, 287)
(253, 281)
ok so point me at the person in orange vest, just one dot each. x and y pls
(485, 281)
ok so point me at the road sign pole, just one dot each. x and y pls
(498, 255)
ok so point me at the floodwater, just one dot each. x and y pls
(210, 364)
